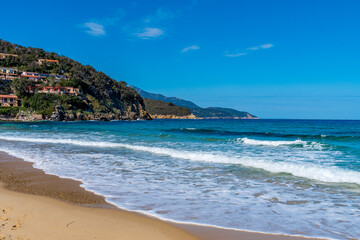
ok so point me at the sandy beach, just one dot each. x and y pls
(35, 205)
(41, 214)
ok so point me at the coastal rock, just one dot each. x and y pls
(27, 115)
(70, 117)
(156, 116)
(80, 116)
(58, 114)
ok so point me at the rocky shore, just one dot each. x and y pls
(170, 116)
(60, 114)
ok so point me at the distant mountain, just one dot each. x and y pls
(217, 112)
(174, 100)
(210, 112)
(160, 109)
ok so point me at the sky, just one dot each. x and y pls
(275, 59)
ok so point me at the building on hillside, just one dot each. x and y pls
(8, 73)
(8, 101)
(54, 76)
(48, 61)
(34, 76)
(7, 55)
(55, 90)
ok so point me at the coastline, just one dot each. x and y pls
(26, 193)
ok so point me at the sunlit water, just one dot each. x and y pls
(278, 176)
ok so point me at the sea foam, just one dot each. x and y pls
(270, 143)
(307, 170)
(276, 143)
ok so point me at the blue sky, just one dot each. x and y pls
(275, 59)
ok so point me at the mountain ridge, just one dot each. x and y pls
(156, 96)
(199, 112)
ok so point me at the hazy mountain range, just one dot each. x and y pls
(210, 112)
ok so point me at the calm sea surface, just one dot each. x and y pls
(280, 176)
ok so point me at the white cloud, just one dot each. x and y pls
(193, 47)
(148, 33)
(263, 46)
(234, 54)
(143, 27)
(268, 45)
(94, 29)
(238, 54)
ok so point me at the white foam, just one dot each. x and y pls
(256, 142)
(306, 170)
(269, 143)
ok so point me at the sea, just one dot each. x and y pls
(297, 177)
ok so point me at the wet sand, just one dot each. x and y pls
(35, 205)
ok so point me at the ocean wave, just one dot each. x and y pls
(353, 137)
(307, 170)
(269, 143)
(274, 143)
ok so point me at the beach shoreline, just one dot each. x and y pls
(25, 189)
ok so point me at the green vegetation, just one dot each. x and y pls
(157, 107)
(44, 103)
(20, 86)
(216, 112)
(5, 87)
(10, 111)
(100, 92)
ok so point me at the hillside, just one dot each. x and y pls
(161, 109)
(210, 112)
(217, 112)
(177, 101)
(97, 95)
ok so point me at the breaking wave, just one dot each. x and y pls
(344, 136)
(270, 143)
(275, 143)
(306, 170)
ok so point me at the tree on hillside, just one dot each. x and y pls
(20, 86)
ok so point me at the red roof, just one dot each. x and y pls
(30, 76)
(8, 96)
(48, 60)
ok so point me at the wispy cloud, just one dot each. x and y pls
(190, 48)
(149, 32)
(152, 25)
(94, 29)
(234, 54)
(245, 52)
(263, 46)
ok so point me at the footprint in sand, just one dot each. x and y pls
(2, 237)
(15, 227)
(4, 218)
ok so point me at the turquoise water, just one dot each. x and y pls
(298, 177)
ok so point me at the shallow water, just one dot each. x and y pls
(281, 176)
